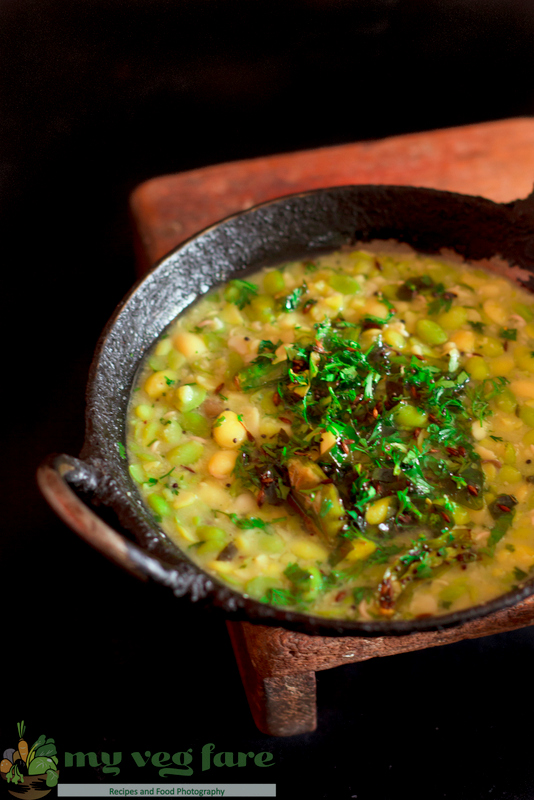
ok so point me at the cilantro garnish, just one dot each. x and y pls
(502, 509)
(266, 346)
(508, 333)
(413, 286)
(483, 394)
(249, 523)
(240, 292)
(122, 450)
(370, 318)
(442, 300)
(362, 593)
(279, 597)
(439, 299)
(326, 506)
(292, 300)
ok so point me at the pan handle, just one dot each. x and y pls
(52, 479)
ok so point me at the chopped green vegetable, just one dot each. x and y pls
(292, 301)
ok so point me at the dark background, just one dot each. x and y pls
(95, 97)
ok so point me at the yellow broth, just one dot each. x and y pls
(350, 437)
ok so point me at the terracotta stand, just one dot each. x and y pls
(495, 160)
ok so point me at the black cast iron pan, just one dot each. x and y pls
(295, 227)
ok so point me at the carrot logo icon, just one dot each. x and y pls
(30, 773)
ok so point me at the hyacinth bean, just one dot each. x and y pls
(222, 463)
(526, 414)
(274, 282)
(172, 431)
(453, 319)
(490, 347)
(228, 431)
(158, 504)
(524, 357)
(408, 416)
(212, 539)
(477, 367)
(196, 423)
(395, 339)
(430, 332)
(344, 284)
(262, 308)
(160, 383)
(189, 344)
(187, 453)
(260, 585)
(379, 510)
(189, 396)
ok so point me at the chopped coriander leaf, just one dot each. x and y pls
(326, 506)
(266, 346)
(292, 301)
(362, 593)
(477, 326)
(249, 523)
(481, 396)
(508, 333)
(240, 292)
(442, 300)
(379, 321)
(279, 597)
(414, 286)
